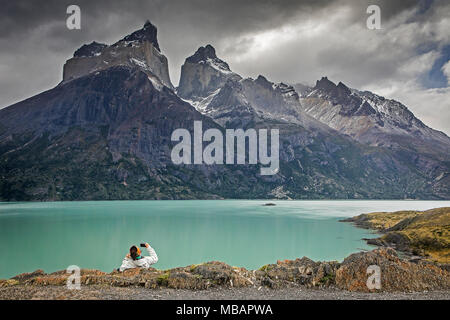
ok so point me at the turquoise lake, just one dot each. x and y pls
(53, 235)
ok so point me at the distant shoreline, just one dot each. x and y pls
(222, 199)
(416, 234)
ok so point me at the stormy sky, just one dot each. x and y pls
(290, 41)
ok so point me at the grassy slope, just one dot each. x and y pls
(426, 230)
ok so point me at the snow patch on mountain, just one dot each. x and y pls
(218, 65)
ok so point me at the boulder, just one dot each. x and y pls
(396, 274)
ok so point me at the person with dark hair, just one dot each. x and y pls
(135, 260)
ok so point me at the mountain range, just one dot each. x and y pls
(104, 132)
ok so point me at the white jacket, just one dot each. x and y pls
(144, 262)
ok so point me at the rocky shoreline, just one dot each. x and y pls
(417, 235)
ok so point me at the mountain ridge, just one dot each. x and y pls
(105, 131)
(341, 91)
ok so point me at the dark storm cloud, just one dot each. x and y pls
(254, 36)
(21, 15)
(201, 18)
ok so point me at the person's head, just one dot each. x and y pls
(135, 252)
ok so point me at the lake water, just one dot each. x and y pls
(97, 234)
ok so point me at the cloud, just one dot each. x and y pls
(430, 105)
(446, 71)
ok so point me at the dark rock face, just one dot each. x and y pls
(203, 54)
(325, 84)
(148, 33)
(109, 98)
(113, 128)
(365, 110)
(90, 50)
(341, 95)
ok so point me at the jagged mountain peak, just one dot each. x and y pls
(90, 50)
(283, 88)
(262, 81)
(148, 24)
(207, 55)
(203, 54)
(139, 50)
(371, 119)
(148, 33)
(343, 88)
(203, 73)
(330, 88)
(325, 84)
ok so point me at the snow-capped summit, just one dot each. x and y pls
(148, 33)
(214, 90)
(202, 54)
(203, 73)
(207, 54)
(140, 50)
(90, 50)
(370, 118)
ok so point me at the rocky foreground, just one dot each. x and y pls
(397, 275)
(99, 292)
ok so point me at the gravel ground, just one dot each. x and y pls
(114, 293)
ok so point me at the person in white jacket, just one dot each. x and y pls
(135, 260)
